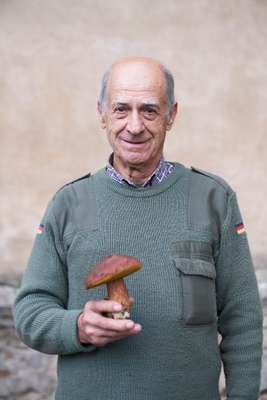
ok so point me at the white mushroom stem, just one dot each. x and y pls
(118, 292)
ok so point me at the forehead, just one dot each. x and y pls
(136, 81)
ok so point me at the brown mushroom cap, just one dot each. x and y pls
(111, 268)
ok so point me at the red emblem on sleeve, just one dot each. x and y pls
(240, 228)
(40, 229)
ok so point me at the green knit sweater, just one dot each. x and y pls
(197, 280)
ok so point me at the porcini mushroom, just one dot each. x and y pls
(111, 270)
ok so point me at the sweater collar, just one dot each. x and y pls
(162, 171)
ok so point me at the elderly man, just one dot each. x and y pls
(184, 225)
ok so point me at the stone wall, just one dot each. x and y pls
(25, 374)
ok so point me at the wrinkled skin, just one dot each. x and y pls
(135, 116)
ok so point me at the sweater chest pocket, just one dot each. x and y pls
(197, 273)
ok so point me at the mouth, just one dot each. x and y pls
(135, 143)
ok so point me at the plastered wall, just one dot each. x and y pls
(52, 56)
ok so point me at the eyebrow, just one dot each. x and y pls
(119, 103)
(142, 105)
(153, 105)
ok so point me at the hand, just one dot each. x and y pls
(98, 330)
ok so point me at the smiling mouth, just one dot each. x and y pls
(135, 143)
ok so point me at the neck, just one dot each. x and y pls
(136, 174)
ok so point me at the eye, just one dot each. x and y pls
(120, 111)
(150, 113)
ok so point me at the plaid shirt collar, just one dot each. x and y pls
(159, 175)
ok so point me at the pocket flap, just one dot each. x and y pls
(192, 249)
(195, 267)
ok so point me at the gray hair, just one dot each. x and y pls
(170, 98)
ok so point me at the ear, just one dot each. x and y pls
(172, 116)
(102, 116)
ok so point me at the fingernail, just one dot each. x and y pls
(129, 324)
(138, 327)
(117, 307)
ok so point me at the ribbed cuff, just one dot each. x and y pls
(69, 337)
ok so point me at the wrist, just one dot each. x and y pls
(80, 329)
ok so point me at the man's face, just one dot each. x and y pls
(135, 116)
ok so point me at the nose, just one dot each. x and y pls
(135, 123)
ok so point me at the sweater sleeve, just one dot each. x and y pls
(239, 310)
(41, 317)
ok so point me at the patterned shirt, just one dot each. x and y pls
(164, 169)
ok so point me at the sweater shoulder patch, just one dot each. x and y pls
(76, 180)
(66, 196)
(75, 203)
(215, 178)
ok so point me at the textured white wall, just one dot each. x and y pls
(52, 56)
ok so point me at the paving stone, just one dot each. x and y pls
(25, 374)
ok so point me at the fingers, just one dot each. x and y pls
(99, 330)
(102, 306)
(113, 334)
(92, 315)
(108, 337)
(118, 325)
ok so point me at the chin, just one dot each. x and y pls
(135, 153)
(136, 159)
